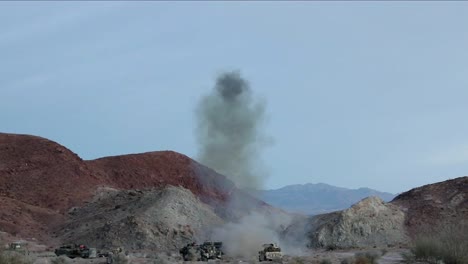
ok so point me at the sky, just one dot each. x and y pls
(359, 94)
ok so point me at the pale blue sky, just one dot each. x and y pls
(359, 93)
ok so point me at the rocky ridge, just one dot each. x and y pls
(433, 205)
(374, 223)
(40, 181)
(163, 219)
(164, 199)
(368, 223)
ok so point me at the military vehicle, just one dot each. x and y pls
(211, 250)
(204, 252)
(74, 251)
(19, 246)
(270, 252)
(191, 252)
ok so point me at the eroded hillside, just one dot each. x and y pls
(40, 181)
(374, 223)
(162, 200)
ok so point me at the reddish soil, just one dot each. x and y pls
(40, 180)
(432, 205)
(42, 173)
(160, 168)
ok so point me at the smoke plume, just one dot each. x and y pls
(230, 131)
(231, 136)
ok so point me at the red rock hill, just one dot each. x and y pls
(40, 180)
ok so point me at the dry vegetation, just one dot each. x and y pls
(447, 244)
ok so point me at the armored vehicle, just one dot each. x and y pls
(211, 250)
(270, 252)
(191, 252)
(203, 252)
(73, 251)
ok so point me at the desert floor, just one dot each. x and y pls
(392, 255)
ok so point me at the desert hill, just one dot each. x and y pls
(435, 204)
(163, 199)
(40, 181)
(39, 172)
(161, 219)
(372, 222)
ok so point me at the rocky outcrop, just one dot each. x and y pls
(372, 222)
(160, 219)
(368, 223)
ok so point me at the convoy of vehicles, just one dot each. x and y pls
(204, 252)
(75, 250)
(191, 252)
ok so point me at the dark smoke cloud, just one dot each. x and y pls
(230, 131)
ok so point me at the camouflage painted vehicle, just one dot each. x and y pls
(191, 252)
(73, 251)
(211, 250)
(270, 252)
(204, 252)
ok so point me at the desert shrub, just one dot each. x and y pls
(366, 258)
(447, 243)
(325, 261)
(426, 249)
(331, 247)
(361, 260)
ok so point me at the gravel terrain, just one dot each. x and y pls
(393, 256)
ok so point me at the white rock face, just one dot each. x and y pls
(161, 219)
(370, 222)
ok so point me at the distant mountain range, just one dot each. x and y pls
(317, 198)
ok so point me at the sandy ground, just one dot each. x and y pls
(390, 257)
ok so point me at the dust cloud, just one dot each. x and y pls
(231, 137)
(230, 131)
(245, 238)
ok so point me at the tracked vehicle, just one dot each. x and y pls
(191, 252)
(204, 252)
(270, 252)
(211, 250)
(73, 251)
